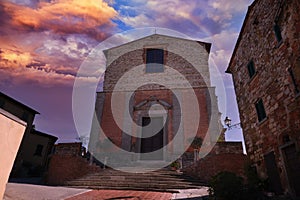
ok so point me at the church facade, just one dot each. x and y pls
(157, 98)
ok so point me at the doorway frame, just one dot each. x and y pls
(284, 165)
(152, 113)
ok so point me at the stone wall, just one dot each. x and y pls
(67, 164)
(227, 148)
(276, 82)
(73, 149)
(225, 156)
(189, 57)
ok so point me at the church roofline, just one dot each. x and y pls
(205, 44)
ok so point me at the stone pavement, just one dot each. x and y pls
(191, 194)
(122, 194)
(15, 191)
(188, 194)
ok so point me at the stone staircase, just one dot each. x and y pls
(161, 180)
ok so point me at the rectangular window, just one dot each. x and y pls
(294, 81)
(277, 32)
(38, 150)
(154, 60)
(251, 68)
(260, 110)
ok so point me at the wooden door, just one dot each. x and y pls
(273, 174)
(292, 164)
(153, 143)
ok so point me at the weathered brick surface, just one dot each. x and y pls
(66, 167)
(227, 147)
(225, 156)
(68, 149)
(67, 164)
(178, 73)
(272, 81)
(186, 73)
(211, 165)
(113, 131)
(186, 56)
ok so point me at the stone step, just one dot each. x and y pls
(108, 176)
(110, 172)
(144, 185)
(138, 185)
(133, 177)
(139, 180)
(157, 180)
(129, 188)
(177, 183)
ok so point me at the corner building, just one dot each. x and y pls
(265, 67)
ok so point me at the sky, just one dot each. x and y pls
(43, 43)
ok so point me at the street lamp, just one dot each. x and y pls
(227, 122)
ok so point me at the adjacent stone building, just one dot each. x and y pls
(36, 149)
(161, 80)
(15, 122)
(265, 66)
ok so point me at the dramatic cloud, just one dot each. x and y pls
(225, 6)
(63, 16)
(14, 58)
(45, 42)
(168, 14)
(222, 47)
(191, 17)
(19, 67)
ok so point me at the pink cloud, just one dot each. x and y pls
(45, 42)
(63, 16)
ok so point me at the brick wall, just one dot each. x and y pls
(113, 131)
(186, 56)
(186, 73)
(273, 84)
(67, 164)
(227, 148)
(68, 149)
(225, 156)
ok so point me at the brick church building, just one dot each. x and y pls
(157, 97)
(265, 66)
